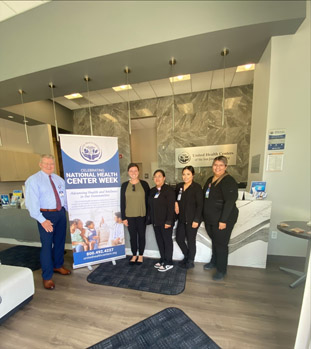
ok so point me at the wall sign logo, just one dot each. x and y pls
(90, 152)
(184, 158)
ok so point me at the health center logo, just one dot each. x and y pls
(184, 158)
(90, 152)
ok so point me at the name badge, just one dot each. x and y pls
(179, 194)
(207, 191)
(157, 195)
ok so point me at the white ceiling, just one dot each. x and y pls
(159, 88)
(12, 8)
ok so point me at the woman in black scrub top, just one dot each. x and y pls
(162, 216)
(220, 214)
(188, 207)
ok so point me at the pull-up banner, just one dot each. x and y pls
(92, 177)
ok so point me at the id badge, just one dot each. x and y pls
(157, 195)
(179, 194)
(207, 191)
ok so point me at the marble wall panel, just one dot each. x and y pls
(196, 122)
(110, 121)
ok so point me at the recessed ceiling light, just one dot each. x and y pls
(180, 78)
(245, 67)
(10, 117)
(186, 108)
(122, 88)
(73, 96)
(144, 112)
(109, 117)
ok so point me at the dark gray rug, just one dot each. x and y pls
(140, 277)
(170, 328)
(22, 256)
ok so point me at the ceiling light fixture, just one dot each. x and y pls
(21, 92)
(127, 87)
(73, 96)
(223, 53)
(109, 117)
(87, 79)
(122, 87)
(52, 86)
(246, 67)
(180, 78)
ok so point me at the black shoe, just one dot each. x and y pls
(218, 276)
(209, 266)
(139, 262)
(188, 265)
(133, 262)
(183, 262)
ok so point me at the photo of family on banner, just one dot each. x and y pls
(92, 177)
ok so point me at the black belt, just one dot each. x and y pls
(49, 210)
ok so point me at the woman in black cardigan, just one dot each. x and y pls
(134, 203)
(188, 207)
(220, 214)
(162, 216)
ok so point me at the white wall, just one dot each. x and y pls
(259, 113)
(287, 76)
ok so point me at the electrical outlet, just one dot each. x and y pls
(274, 235)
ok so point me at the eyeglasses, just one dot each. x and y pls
(133, 187)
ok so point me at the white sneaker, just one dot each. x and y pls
(166, 267)
(158, 265)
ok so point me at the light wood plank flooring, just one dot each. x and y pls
(252, 308)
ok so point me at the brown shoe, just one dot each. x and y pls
(62, 271)
(48, 284)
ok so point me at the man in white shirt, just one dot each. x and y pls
(45, 199)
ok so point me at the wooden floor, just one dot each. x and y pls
(252, 308)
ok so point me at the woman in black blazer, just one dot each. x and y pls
(134, 203)
(162, 216)
(220, 214)
(188, 207)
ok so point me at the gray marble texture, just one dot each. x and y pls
(108, 120)
(196, 122)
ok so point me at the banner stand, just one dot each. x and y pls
(92, 177)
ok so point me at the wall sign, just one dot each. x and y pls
(204, 156)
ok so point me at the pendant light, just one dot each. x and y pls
(21, 92)
(87, 79)
(127, 70)
(52, 86)
(172, 62)
(223, 53)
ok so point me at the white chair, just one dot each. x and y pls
(16, 289)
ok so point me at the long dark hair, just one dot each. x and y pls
(189, 168)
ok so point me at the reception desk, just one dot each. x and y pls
(248, 245)
(17, 226)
